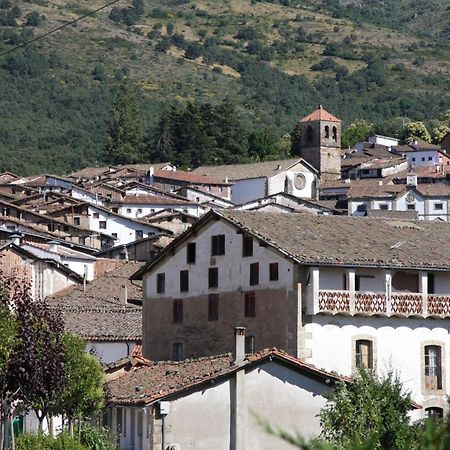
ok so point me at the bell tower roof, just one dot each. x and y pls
(320, 114)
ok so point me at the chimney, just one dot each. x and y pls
(125, 293)
(53, 246)
(239, 346)
(15, 239)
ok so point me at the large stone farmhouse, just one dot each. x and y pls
(338, 292)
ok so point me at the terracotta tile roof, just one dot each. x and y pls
(100, 313)
(383, 163)
(434, 190)
(190, 177)
(359, 190)
(244, 171)
(320, 114)
(144, 382)
(104, 291)
(92, 172)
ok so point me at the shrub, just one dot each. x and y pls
(30, 441)
(96, 438)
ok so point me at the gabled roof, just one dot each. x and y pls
(141, 382)
(320, 114)
(188, 177)
(319, 240)
(265, 169)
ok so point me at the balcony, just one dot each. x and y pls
(378, 303)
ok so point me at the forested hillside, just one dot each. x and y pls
(263, 64)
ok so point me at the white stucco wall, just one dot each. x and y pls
(140, 210)
(234, 269)
(108, 352)
(244, 190)
(277, 183)
(398, 345)
(123, 227)
(422, 158)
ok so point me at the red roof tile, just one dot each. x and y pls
(320, 114)
(188, 177)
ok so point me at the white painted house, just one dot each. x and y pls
(252, 181)
(336, 291)
(420, 154)
(162, 404)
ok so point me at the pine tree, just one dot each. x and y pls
(125, 140)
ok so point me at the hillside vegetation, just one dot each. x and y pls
(274, 61)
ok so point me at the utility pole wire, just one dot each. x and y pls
(54, 30)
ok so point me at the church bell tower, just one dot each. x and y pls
(320, 143)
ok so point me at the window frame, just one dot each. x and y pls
(363, 337)
(359, 345)
(191, 252)
(102, 225)
(250, 304)
(213, 278)
(177, 344)
(161, 283)
(184, 280)
(247, 246)
(177, 311)
(250, 343)
(218, 245)
(274, 271)
(432, 373)
(254, 274)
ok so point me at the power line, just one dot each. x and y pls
(54, 30)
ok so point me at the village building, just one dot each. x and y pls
(161, 404)
(106, 313)
(420, 153)
(204, 198)
(338, 292)
(255, 180)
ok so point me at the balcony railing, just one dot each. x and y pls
(373, 303)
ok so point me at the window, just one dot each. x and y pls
(439, 206)
(139, 211)
(184, 280)
(430, 277)
(139, 419)
(273, 271)
(247, 246)
(250, 344)
(129, 210)
(334, 134)
(384, 206)
(102, 224)
(254, 274)
(178, 311)
(76, 221)
(423, 159)
(114, 235)
(115, 210)
(430, 158)
(213, 277)
(433, 370)
(218, 245)
(139, 234)
(250, 304)
(327, 131)
(191, 253)
(411, 207)
(197, 199)
(434, 413)
(177, 351)
(361, 208)
(413, 159)
(213, 307)
(96, 215)
(160, 283)
(364, 354)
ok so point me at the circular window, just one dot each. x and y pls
(299, 181)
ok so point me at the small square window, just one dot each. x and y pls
(129, 210)
(218, 245)
(114, 235)
(384, 206)
(423, 159)
(184, 280)
(96, 215)
(76, 221)
(439, 206)
(178, 311)
(213, 307)
(413, 159)
(250, 344)
(213, 277)
(102, 224)
(273, 271)
(254, 274)
(139, 234)
(191, 250)
(250, 304)
(160, 283)
(115, 210)
(411, 207)
(139, 210)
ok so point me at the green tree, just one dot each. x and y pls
(416, 131)
(261, 144)
(371, 408)
(83, 394)
(439, 133)
(357, 131)
(296, 135)
(125, 140)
